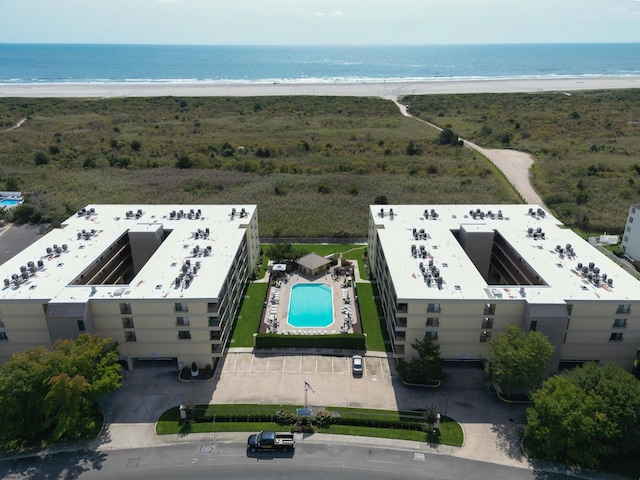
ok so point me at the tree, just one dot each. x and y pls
(41, 158)
(136, 145)
(449, 137)
(412, 149)
(184, 161)
(586, 416)
(50, 395)
(426, 367)
(518, 360)
(283, 252)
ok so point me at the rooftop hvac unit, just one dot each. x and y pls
(40, 264)
(7, 282)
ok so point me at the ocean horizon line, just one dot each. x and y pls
(318, 45)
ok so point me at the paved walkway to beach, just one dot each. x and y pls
(514, 165)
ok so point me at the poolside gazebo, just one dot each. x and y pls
(313, 264)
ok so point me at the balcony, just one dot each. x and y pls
(487, 323)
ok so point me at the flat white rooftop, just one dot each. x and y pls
(196, 229)
(460, 279)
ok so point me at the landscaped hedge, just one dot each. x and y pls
(354, 341)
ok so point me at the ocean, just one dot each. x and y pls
(75, 63)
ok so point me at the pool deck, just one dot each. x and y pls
(277, 305)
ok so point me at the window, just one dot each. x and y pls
(81, 325)
(433, 321)
(431, 334)
(616, 337)
(127, 322)
(630, 219)
(130, 337)
(184, 334)
(400, 349)
(1, 323)
(620, 323)
(490, 309)
(212, 307)
(487, 322)
(485, 336)
(622, 308)
(125, 308)
(402, 307)
(214, 321)
(3, 336)
(181, 307)
(533, 326)
(400, 336)
(626, 238)
(182, 321)
(215, 335)
(433, 307)
(401, 322)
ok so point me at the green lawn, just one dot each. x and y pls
(370, 316)
(243, 420)
(250, 313)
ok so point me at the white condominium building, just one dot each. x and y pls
(165, 281)
(463, 273)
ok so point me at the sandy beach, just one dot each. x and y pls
(381, 89)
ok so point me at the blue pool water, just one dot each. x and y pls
(7, 202)
(311, 306)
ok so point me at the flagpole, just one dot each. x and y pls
(305, 395)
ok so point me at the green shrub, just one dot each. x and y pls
(353, 341)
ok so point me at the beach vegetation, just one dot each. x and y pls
(191, 154)
(589, 135)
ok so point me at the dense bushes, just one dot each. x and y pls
(353, 341)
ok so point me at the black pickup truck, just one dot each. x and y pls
(271, 441)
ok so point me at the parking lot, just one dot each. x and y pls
(280, 378)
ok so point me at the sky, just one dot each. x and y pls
(319, 22)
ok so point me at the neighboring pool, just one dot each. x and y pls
(9, 202)
(311, 306)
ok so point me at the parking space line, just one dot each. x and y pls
(235, 362)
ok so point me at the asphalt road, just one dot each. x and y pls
(231, 461)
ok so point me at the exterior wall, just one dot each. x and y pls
(631, 236)
(25, 326)
(590, 330)
(145, 327)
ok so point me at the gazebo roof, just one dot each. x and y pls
(313, 261)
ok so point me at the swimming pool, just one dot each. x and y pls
(311, 306)
(9, 202)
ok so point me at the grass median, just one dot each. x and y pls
(398, 425)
